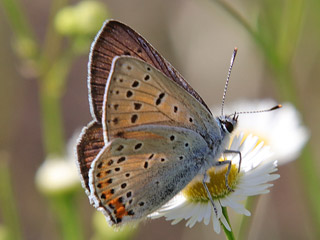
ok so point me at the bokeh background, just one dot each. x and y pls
(278, 59)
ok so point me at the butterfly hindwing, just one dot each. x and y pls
(134, 175)
(89, 145)
(117, 39)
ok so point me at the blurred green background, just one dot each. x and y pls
(278, 57)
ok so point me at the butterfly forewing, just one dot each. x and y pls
(138, 94)
(135, 175)
(117, 39)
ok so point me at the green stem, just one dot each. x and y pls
(54, 68)
(68, 216)
(245, 223)
(17, 19)
(52, 45)
(53, 73)
(290, 26)
(51, 91)
(310, 176)
(7, 201)
(51, 65)
(52, 126)
(20, 26)
(49, 70)
(229, 234)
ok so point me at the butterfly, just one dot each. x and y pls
(151, 133)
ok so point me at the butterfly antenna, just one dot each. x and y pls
(228, 77)
(259, 111)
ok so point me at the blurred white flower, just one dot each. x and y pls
(256, 171)
(281, 129)
(59, 174)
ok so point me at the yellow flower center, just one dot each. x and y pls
(195, 191)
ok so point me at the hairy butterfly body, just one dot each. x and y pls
(151, 133)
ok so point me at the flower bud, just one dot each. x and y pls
(83, 19)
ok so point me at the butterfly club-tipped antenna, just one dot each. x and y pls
(257, 111)
(233, 57)
(228, 77)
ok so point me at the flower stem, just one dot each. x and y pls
(52, 87)
(52, 44)
(68, 216)
(17, 18)
(7, 201)
(51, 123)
(246, 221)
(229, 234)
(309, 171)
(51, 65)
(20, 26)
(53, 69)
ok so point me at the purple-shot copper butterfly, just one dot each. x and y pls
(151, 133)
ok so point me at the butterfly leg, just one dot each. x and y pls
(237, 152)
(229, 162)
(224, 162)
(204, 182)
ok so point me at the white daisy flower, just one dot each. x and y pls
(281, 129)
(59, 173)
(256, 171)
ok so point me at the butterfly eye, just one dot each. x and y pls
(229, 126)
